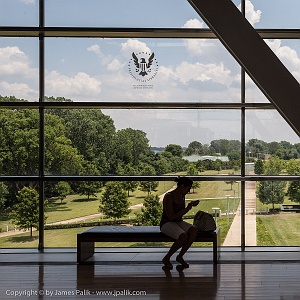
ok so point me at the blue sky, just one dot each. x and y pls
(187, 70)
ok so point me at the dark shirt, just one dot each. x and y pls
(177, 206)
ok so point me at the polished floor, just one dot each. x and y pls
(136, 273)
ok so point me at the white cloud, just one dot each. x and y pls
(251, 15)
(28, 1)
(133, 46)
(287, 55)
(79, 87)
(115, 65)
(196, 46)
(95, 49)
(13, 61)
(165, 73)
(202, 72)
(19, 90)
(17, 76)
(193, 23)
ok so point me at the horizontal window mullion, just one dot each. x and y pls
(137, 105)
(121, 32)
(151, 178)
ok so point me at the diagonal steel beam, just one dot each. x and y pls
(254, 55)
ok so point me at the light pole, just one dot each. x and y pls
(216, 209)
(234, 200)
(228, 208)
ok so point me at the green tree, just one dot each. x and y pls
(89, 188)
(3, 195)
(271, 192)
(131, 145)
(61, 156)
(176, 163)
(19, 144)
(92, 133)
(257, 148)
(274, 166)
(224, 147)
(162, 165)
(151, 212)
(148, 186)
(294, 191)
(175, 150)
(62, 190)
(19, 141)
(231, 182)
(200, 166)
(192, 171)
(129, 186)
(25, 214)
(217, 165)
(293, 168)
(194, 148)
(114, 201)
(273, 147)
(259, 167)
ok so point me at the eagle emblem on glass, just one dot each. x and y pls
(143, 66)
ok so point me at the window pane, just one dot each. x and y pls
(118, 13)
(142, 70)
(288, 52)
(273, 14)
(19, 214)
(19, 68)
(19, 142)
(95, 142)
(276, 213)
(270, 135)
(19, 13)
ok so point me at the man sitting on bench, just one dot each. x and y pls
(172, 223)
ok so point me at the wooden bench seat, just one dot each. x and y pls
(86, 240)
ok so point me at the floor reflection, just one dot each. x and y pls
(234, 281)
(151, 281)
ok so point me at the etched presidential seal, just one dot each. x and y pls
(143, 66)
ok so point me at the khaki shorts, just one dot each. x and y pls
(175, 229)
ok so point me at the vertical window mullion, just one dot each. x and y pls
(41, 126)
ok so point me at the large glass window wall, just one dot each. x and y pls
(79, 119)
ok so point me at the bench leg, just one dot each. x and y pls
(216, 248)
(85, 250)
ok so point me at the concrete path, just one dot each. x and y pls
(233, 237)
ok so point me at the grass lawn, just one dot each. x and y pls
(72, 207)
(75, 206)
(53, 238)
(278, 229)
(67, 238)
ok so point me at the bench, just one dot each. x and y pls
(86, 240)
(290, 207)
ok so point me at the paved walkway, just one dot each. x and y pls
(233, 237)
